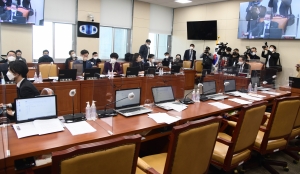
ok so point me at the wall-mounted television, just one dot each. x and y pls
(29, 12)
(269, 19)
(201, 30)
(88, 29)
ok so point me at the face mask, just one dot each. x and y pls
(227, 52)
(113, 60)
(240, 63)
(96, 58)
(11, 58)
(271, 49)
(153, 60)
(253, 53)
(191, 48)
(73, 55)
(10, 75)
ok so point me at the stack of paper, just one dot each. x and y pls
(256, 95)
(177, 107)
(220, 105)
(240, 101)
(163, 118)
(81, 127)
(38, 127)
(246, 96)
(271, 93)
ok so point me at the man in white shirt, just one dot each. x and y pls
(9, 15)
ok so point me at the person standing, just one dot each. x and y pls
(190, 55)
(145, 50)
(271, 56)
(207, 60)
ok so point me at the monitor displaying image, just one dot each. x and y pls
(269, 19)
(29, 12)
(88, 29)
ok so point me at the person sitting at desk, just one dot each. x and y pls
(19, 56)
(242, 66)
(95, 60)
(113, 65)
(71, 58)
(11, 56)
(167, 60)
(177, 61)
(137, 62)
(17, 72)
(10, 14)
(150, 61)
(45, 58)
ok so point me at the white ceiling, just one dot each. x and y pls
(173, 4)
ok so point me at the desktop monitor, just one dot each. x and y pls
(132, 71)
(163, 94)
(91, 72)
(67, 74)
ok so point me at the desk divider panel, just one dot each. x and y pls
(5, 125)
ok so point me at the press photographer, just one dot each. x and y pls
(235, 56)
(252, 55)
(207, 60)
(271, 57)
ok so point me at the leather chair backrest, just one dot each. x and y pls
(125, 66)
(101, 65)
(48, 70)
(198, 66)
(187, 64)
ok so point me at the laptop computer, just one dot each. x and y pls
(175, 69)
(19, 20)
(67, 74)
(162, 96)
(210, 90)
(129, 107)
(90, 73)
(132, 71)
(30, 109)
(230, 89)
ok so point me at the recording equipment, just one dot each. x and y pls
(74, 117)
(222, 46)
(265, 46)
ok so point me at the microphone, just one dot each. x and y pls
(186, 100)
(111, 112)
(74, 117)
(50, 69)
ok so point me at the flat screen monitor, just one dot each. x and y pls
(91, 72)
(88, 29)
(40, 107)
(266, 19)
(209, 87)
(22, 12)
(201, 30)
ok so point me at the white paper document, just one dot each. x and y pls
(38, 127)
(256, 95)
(177, 107)
(81, 127)
(240, 101)
(220, 105)
(163, 118)
(246, 96)
(271, 93)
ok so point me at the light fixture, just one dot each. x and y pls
(183, 1)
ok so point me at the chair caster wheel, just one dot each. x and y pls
(295, 161)
(286, 169)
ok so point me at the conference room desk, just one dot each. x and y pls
(189, 79)
(118, 125)
(3, 140)
(241, 82)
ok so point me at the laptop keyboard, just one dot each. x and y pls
(214, 96)
(131, 110)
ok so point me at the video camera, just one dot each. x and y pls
(265, 46)
(222, 46)
(206, 49)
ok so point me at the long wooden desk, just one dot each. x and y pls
(37, 145)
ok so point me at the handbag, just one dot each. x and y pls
(291, 18)
(277, 67)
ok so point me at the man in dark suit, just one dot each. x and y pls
(281, 7)
(10, 57)
(166, 61)
(260, 30)
(255, 11)
(9, 14)
(271, 56)
(45, 58)
(5, 3)
(19, 56)
(113, 65)
(242, 66)
(24, 3)
(145, 50)
(150, 61)
(18, 72)
(190, 54)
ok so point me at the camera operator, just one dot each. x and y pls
(207, 60)
(235, 56)
(270, 55)
(226, 57)
(252, 55)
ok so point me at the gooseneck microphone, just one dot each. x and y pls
(186, 100)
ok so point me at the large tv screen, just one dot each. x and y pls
(202, 30)
(269, 19)
(22, 12)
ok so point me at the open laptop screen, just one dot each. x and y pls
(124, 102)
(41, 107)
(163, 94)
(231, 86)
(209, 87)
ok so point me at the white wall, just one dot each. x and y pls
(227, 15)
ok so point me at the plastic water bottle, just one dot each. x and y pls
(194, 95)
(40, 78)
(249, 87)
(88, 111)
(170, 65)
(35, 78)
(255, 88)
(93, 111)
(198, 96)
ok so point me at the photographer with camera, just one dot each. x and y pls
(270, 55)
(207, 59)
(225, 57)
(235, 56)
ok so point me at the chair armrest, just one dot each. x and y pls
(232, 123)
(141, 164)
(234, 118)
(224, 125)
(226, 142)
(262, 128)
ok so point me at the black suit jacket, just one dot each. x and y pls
(284, 7)
(45, 59)
(7, 15)
(187, 55)
(139, 65)
(259, 29)
(8, 3)
(144, 52)
(273, 59)
(4, 69)
(26, 3)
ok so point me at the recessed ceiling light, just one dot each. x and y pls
(183, 1)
